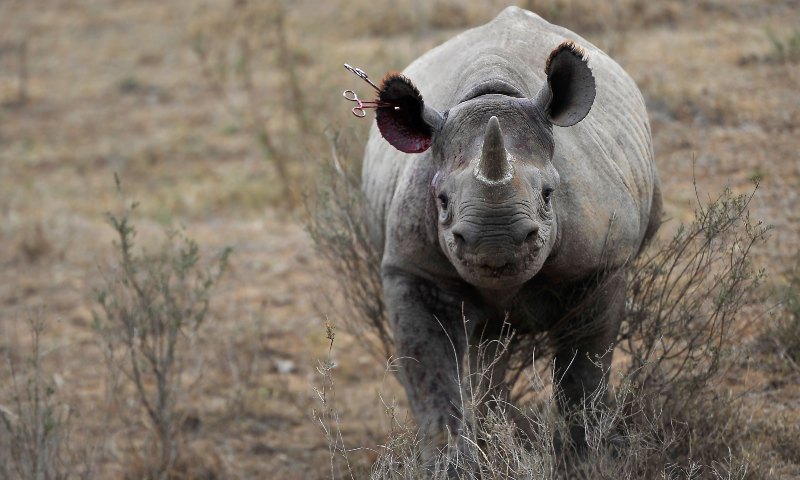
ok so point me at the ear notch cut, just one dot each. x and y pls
(409, 127)
(572, 86)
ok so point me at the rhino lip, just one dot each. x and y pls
(510, 268)
(507, 269)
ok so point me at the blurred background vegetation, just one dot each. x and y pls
(221, 116)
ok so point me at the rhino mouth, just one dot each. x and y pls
(513, 267)
(498, 267)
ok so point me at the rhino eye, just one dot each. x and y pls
(443, 200)
(546, 194)
(445, 213)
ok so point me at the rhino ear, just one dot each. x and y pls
(408, 125)
(570, 90)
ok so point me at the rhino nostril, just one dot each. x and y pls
(524, 231)
(532, 234)
(459, 245)
(459, 239)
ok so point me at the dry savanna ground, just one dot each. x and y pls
(218, 114)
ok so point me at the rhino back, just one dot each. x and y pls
(605, 162)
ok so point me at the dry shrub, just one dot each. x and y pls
(667, 415)
(627, 436)
(36, 421)
(336, 223)
(151, 309)
(685, 304)
(783, 336)
(234, 46)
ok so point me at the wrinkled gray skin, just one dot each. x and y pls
(558, 208)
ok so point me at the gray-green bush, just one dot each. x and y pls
(152, 305)
(36, 421)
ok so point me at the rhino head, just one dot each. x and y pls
(495, 188)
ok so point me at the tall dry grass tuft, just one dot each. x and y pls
(627, 436)
(152, 308)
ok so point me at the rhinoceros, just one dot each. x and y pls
(509, 175)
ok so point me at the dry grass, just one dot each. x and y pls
(119, 88)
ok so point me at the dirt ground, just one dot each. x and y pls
(114, 86)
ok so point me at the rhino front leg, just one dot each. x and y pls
(584, 350)
(430, 343)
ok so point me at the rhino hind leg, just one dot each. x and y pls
(584, 349)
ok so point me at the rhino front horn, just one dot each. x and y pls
(493, 168)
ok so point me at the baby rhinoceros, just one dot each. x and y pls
(517, 190)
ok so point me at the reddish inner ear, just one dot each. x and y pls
(404, 127)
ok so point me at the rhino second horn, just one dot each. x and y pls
(494, 167)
